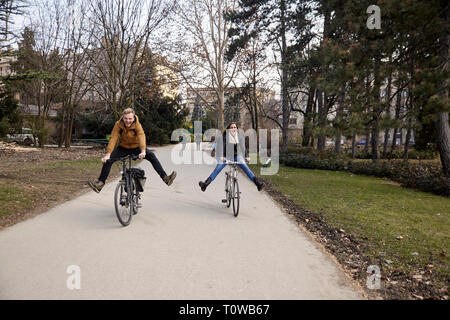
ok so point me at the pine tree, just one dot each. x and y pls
(272, 21)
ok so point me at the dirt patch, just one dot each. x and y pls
(42, 178)
(15, 153)
(33, 180)
(392, 183)
(349, 251)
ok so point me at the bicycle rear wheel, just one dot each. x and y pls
(236, 197)
(123, 204)
(135, 201)
(134, 196)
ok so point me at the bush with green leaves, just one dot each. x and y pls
(10, 118)
(426, 154)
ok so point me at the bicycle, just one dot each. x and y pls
(127, 194)
(232, 193)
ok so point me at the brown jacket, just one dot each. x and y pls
(129, 138)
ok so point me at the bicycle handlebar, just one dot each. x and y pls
(132, 156)
(233, 162)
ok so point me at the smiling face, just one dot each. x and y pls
(233, 129)
(128, 119)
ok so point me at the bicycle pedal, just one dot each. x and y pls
(139, 205)
(224, 200)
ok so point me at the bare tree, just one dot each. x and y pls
(253, 74)
(442, 124)
(8, 8)
(77, 37)
(122, 32)
(202, 52)
(39, 55)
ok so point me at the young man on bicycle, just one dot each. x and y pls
(128, 131)
(235, 143)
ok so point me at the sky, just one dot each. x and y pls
(31, 11)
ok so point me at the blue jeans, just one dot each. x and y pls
(220, 165)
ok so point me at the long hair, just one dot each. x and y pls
(228, 127)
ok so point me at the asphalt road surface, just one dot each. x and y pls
(183, 244)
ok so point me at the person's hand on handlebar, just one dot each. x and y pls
(142, 155)
(106, 157)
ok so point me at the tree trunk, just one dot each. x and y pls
(377, 108)
(374, 142)
(337, 144)
(61, 129)
(387, 109)
(320, 115)
(68, 132)
(323, 107)
(443, 129)
(314, 118)
(443, 133)
(353, 145)
(394, 140)
(221, 110)
(255, 102)
(408, 137)
(410, 111)
(366, 146)
(386, 141)
(307, 124)
(284, 98)
(397, 117)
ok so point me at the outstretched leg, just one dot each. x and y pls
(259, 184)
(204, 185)
(247, 170)
(117, 153)
(150, 156)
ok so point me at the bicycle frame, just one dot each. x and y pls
(126, 195)
(231, 184)
(126, 171)
(233, 168)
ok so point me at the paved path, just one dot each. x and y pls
(183, 244)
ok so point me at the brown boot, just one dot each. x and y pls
(96, 186)
(169, 179)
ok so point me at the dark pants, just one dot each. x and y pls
(121, 152)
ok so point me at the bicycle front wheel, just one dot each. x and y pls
(228, 191)
(123, 204)
(236, 197)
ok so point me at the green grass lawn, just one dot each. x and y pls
(378, 211)
(12, 197)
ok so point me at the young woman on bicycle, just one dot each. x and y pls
(235, 144)
(128, 131)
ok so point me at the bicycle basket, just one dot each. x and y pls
(139, 177)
